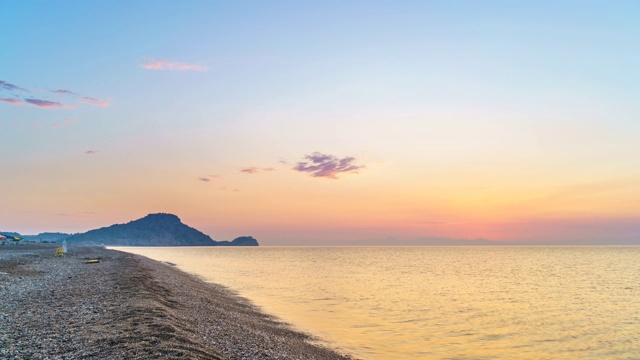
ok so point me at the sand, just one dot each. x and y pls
(130, 307)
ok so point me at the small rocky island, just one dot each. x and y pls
(153, 230)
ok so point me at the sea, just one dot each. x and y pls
(480, 302)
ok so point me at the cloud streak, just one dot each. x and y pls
(160, 64)
(255, 170)
(208, 178)
(12, 101)
(11, 87)
(46, 104)
(64, 92)
(250, 170)
(94, 101)
(327, 166)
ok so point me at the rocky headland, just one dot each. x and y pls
(153, 230)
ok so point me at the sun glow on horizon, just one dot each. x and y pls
(338, 122)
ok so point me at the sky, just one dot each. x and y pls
(324, 122)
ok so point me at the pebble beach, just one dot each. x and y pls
(130, 307)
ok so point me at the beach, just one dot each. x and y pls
(129, 306)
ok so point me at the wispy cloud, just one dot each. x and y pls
(94, 101)
(11, 87)
(255, 170)
(91, 152)
(65, 92)
(160, 64)
(12, 101)
(46, 104)
(250, 170)
(208, 178)
(327, 166)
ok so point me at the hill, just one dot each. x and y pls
(46, 236)
(153, 230)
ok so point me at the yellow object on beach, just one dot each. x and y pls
(94, 261)
(59, 252)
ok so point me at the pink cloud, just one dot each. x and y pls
(46, 104)
(90, 152)
(94, 101)
(204, 179)
(249, 170)
(327, 166)
(255, 170)
(12, 101)
(159, 64)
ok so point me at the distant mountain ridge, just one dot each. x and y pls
(47, 236)
(153, 230)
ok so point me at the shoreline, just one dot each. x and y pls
(130, 306)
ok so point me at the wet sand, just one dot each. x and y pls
(130, 307)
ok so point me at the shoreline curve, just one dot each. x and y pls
(130, 306)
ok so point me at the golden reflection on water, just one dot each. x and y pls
(440, 302)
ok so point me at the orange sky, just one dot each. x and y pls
(324, 123)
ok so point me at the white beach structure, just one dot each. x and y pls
(64, 246)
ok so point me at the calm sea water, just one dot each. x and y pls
(440, 302)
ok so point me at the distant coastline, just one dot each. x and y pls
(159, 229)
(162, 229)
